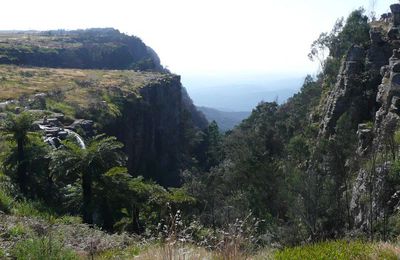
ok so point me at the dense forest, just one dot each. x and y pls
(123, 160)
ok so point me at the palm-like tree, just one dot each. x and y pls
(18, 127)
(88, 164)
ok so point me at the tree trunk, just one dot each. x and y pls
(87, 198)
(21, 167)
(107, 215)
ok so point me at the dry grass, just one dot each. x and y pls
(384, 250)
(80, 238)
(12, 39)
(77, 84)
(176, 253)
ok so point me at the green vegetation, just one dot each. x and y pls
(274, 181)
(76, 87)
(87, 49)
(44, 248)
(340, 249)
(5, 202)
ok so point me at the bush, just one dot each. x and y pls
(28, 208)
(18, 231)
(5, 202)
(44, 248)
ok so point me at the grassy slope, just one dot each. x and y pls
(29, 39)
(77, 84)
(77, 93)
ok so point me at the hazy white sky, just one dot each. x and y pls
(202, 36)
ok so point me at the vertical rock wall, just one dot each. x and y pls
(152, 128)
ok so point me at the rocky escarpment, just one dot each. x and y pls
(356, 87)
(153, 128)
(368, 89)
(149, 112)
(348, 89)
(101, 48)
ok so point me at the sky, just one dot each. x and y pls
(207, 37)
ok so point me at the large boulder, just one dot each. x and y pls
(395, 8)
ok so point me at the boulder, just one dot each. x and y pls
(394, 107)
(356, 53)
(84, 124)
(347, 87)
(396, 67)
(395, 9)
(365, 136)
(376, 36)
(393, 33)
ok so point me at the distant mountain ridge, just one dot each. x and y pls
(97, 48)
(241, 96)
(226, 120)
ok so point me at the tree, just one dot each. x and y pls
(354, 31)
(19, 126)
(101, 154)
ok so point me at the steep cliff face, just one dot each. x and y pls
(368, 89)
(149, 112)
(153, 129)
(357, 83)
(108, 77)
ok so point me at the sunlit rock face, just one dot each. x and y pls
(368, 89)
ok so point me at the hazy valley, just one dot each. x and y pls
(107, 154)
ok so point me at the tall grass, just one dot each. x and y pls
(339, 249)
(5, 201)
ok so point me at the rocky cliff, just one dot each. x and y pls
(98, 48)
(153, 129)
(149, 112)
(368, 89)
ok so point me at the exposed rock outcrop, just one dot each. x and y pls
(368, 89)
(348, 86)
(365, 137)
(387, 117)
(153, 129)
(395, 9)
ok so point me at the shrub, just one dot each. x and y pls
(18, 231)
(5, 202)
(27, 208)
(44, 248)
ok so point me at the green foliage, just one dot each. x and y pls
(60, 107)
(328, 250)
(18, 126)
(18, 231)
(42, 248)
(354, 31)
(29, 208)
(88, 164)
(105, 48)
(397, 137)
(5, 201)
(34, 161)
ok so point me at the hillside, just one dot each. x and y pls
(86, 49)
(78, 86)
(314, 177)
(225, 120)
